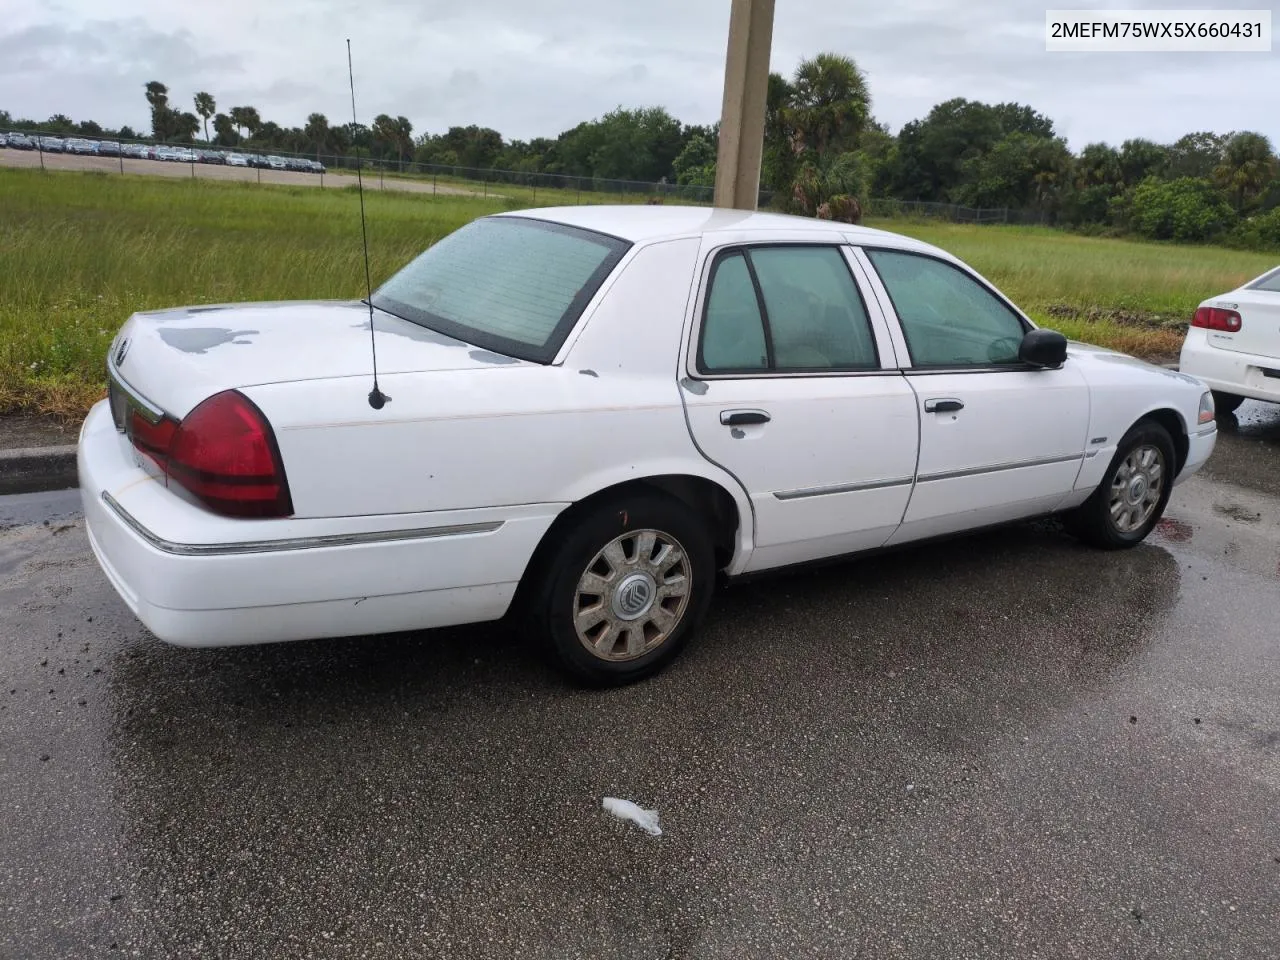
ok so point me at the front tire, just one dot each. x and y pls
(624, 589)
(1133, 493)
(1226, 402)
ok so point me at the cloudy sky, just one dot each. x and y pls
(536, 67)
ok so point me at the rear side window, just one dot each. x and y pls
(1270, 281)
(733, 331)
(509, 284)
(785, 309)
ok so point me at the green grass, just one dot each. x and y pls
(80, 252)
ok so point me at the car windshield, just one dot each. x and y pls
(1270, 282)
(510, 284)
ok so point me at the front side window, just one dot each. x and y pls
(509, 284)
(948, 318)
(785, 309)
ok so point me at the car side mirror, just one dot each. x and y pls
(1046, 349)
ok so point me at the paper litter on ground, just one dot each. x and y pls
(646, 820)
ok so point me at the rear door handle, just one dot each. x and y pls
(943, 405)
(742, 418)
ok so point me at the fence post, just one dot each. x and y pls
(259, 169)
(535, 193)
(485, 181)
(193, 169)
(578, 201)
(40, 150)
(434, 175)
(122, 159)
(381, 181)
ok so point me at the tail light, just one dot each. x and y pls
(1216, 318)
(223, 453)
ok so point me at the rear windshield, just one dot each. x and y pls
(1269, 281)
(509, 284)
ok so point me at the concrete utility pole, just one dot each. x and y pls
(746, 86)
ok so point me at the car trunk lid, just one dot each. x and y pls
(176, 358)
(1259, 331)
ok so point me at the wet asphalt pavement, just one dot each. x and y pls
(1002, 746)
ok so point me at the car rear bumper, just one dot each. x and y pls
(196, 579)
(1244, 374)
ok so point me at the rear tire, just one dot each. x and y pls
(1226, 402)
(624, 588)
(1133, 493)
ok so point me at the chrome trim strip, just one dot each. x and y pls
(148, 409)
(841, 488)
(295, 543)
(999, 467)
(1211, 428)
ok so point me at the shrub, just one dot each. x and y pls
(1187, 209)
(1259, 232)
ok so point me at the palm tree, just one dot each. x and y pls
(829, 104)
(317, 131)
(246, 118)
(206, 108)
(1248, 165)
(403, 137)
(821, 116)
(161, 112)
(225, 129)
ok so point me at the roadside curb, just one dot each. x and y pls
(37, 469)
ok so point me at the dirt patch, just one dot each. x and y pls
(1138, 319)
(36, 430)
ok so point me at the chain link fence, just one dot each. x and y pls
(522, 186)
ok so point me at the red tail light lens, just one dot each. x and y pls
(223, 453)
(1216, 318)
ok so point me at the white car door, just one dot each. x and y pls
(792, 387)
(998, 440)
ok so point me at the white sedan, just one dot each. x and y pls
(591, 412)
(1233, 344)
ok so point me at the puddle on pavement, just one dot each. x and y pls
(1176, 531)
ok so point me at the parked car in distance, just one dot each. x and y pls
(634, 401)
(108, 148)
(4, 141)
(81, 146)
(1233, 343)
(277, 163)
(237, 160)
(18, 141)
(52, 144)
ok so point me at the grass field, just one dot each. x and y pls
(80, 252)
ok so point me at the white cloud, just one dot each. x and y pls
(531, 69)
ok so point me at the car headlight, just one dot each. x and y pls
(1206, 407)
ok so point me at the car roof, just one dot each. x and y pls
(643, 223)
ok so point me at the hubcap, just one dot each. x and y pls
(1136, 488)
(632, 595)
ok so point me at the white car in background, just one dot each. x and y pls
(1233, 343)
(594, 411)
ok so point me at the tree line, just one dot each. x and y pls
(825, 155)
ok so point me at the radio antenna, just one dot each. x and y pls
(377, 399)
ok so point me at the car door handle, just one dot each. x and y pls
(742, 418)
(943, 405)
